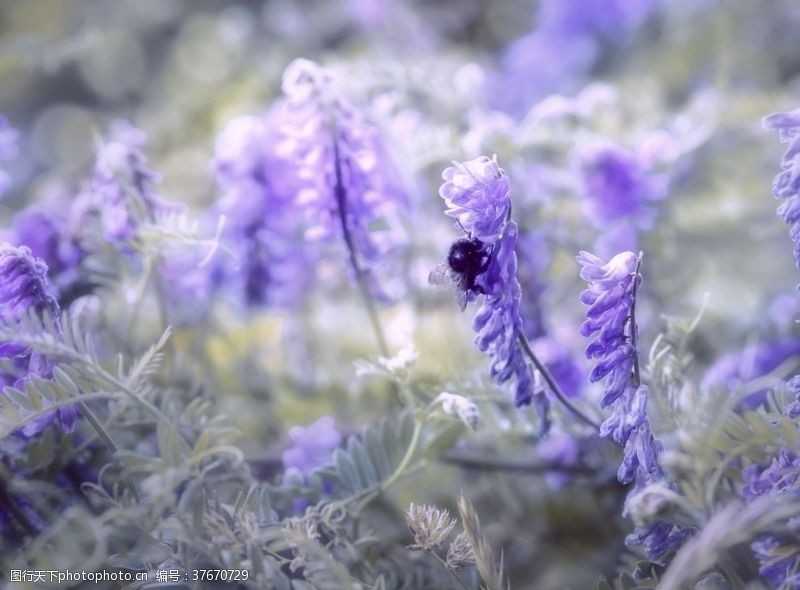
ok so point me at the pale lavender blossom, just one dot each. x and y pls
(312, 446)
(786, 186)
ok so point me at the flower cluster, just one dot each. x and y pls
(312, 446)
(347, 181)
(779, 558)
(260, 217)
(786, 186)
(610, 298)
(121, 187)
(477, 197)
(24, 289)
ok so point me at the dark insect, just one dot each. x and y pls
(467, 259)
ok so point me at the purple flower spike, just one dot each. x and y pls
(786, 185)
(779, 558)
(24, 287)
(312, 446)
(349, 188)
(610, 300)
(122, 183)
(617, 185)
(477, 196)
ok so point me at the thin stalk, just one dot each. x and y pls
(444, 565)
(634, 338)
(551, 382)
(360, 273)
(112, 446)
(404, 463)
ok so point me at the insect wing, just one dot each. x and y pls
(440, 275)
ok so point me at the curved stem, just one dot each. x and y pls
(360, 273)
(634, 337)
(551, 382)
(444, 565)
(404, 463)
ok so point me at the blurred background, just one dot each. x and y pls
(684, 82)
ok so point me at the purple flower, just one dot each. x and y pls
(477, 196)
(609, 299)
(618, 186)
(498, 325)
(24, 288)
(312, 446)
(121, 186)
(735, 369)
(560, 450)
(9, 138)
(561, 363)
(609, 319)
(349, 188)
(601, 18)
(533, 257)
(261, 220)
(786, 186)
(43, 229)
(779, 559)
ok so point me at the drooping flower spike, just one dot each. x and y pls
(348, 187)
(24, 288)
(611, 322)
(786, 186)
(477, 195)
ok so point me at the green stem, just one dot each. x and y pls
(444, 565)
(409, 455)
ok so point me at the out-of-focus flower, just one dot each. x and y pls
(24, 288)
(561, 363)
(779, 558)
(533, 256)
(735, 369)
(312, 446)
(477, 196)
(459, 407)
(9, 138)
(430, 526)
(261, 223)
(610, 300)
(348, 185)
(792, 409)
(617, 185)
(603, 18)
(43, 229)
(121, 186)
(561, 450)
(786, 186)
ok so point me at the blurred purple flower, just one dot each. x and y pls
(559, 450)
(533, 257)
(24, 288)
(312, 446)
(786, 185)
(617, 185)
(349, 187)
(261, 225)
(779, 559)
(561, 363)
(43, 229)
(603, 18)
(9, 138)
(121, 186)
(734, 369)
